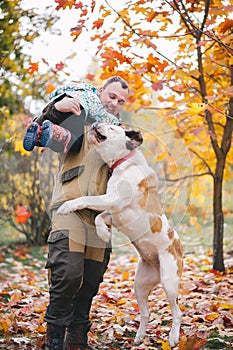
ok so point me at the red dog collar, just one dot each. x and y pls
(121, 160)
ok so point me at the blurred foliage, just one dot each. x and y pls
(19, 172)
(21, 185)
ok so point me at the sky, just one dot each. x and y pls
(55, 48)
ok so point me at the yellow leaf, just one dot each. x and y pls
(165, 344)
(125, 275)
(226, 306)
(18, 146)
(134, 259)
(195, 108)
(193, 221)
(121, 301)
(147, 153)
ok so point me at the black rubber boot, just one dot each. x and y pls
(76, 337)
(54, 337)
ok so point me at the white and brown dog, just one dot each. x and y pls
(132, 205)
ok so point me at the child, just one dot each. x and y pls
(60, 134)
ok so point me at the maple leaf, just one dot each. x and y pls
(90, 77)
(97, 24)
(34, 67)
(76, 32)
(78, 5)
(84, 13)
(59, 66)
(157, 86)
(151, 15)
(226, 25)
(64, 3)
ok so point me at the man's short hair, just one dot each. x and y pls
(116, 79)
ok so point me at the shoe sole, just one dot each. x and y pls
(30, 137)
(46, 133)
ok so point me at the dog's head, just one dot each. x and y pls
(112, 141)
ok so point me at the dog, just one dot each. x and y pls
(132, 205)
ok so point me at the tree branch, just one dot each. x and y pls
(204, 161)
(186, 177)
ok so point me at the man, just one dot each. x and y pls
(77, 258)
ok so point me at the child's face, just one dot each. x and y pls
(113, 97)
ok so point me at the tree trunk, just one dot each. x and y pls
(218, 261)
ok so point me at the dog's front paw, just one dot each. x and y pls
(104, 233)
(70, 206)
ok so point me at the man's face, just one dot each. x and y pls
(113, 97)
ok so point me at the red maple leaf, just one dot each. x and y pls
(59, 66)
(97, 24)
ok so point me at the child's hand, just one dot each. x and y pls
(68, 104)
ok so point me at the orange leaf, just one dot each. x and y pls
(76, 32)
(183, 342)
(49, 88)
(90, 77)
(64, 3)
(84, 13)
(33, 68)
(97, 24)
(226, 25)
(199, 344)
(125, 275)
(211, 317)
(136, 307)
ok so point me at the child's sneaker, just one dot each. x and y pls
(46, 133)
(31, 137)
(52, 132)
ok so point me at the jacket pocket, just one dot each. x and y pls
(56, 236)
(72, 173)
(58, 242)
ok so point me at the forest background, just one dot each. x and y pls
(177, 57)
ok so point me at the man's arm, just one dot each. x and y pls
(65, 111)
(59, 109)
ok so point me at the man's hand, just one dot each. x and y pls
(68, 104)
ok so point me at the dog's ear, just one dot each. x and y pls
(135, 137)
(130, 145)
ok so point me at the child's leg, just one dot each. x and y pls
(32, 136)
(51, 133)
